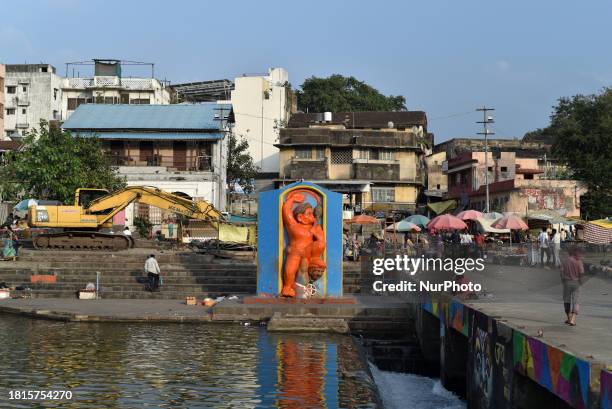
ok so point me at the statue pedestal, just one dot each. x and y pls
(309, 301)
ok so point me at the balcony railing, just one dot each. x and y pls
(106, 81)
(195, 164)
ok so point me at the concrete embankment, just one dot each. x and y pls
(511, 348)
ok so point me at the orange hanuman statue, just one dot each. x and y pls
(306, 240)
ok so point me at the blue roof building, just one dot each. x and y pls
(179, 148)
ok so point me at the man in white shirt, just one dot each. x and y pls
(556, 247)
(543, 241)
(152, 269)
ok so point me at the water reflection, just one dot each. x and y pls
(179, 366)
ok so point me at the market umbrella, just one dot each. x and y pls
(364, 219)
(511, 222)
(469, 215)
(418, 219)
(404, 226)
(446, 222)
(492, 215)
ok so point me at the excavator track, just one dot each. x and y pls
(82, 240)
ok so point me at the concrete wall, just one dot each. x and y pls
(260, 107)
(2, 102)
(436, 180)
(135, 88)
(496, 366)
(41, 100)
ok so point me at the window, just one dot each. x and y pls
(490, 168)
(529, 176)
(23, 111)
(141, 101)
(24, 88)
(504, 168)
(11, 89)
(55, 93)
(10, 111)
(341, 156)
(364, 154)
(438, 186)
(383, 194)
(303, 153)
(43, 69)
(386, 154)
(73, 103)
(320, 153)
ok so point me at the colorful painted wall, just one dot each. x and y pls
(498, 352)
(272, 240)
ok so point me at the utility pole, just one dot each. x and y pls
(486, 120)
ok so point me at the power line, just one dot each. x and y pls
(450, 116)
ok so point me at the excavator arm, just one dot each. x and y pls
(120, 199)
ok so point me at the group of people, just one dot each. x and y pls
(549, 243)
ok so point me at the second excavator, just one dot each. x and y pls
(80, 226)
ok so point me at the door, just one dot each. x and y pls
(179, 152)
(146, 152)
(117, 153)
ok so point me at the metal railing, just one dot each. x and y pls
(197, 164)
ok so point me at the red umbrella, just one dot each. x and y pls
(469, 215)
(446, 222)
(511, 222)
(364, 219)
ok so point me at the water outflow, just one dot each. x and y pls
(407, 391)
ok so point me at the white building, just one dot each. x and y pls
(32, 93)
(262, 104)
(2, 112)
(179, 148)
(109, 86)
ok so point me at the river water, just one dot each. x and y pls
(194, 366)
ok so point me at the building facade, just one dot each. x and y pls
(33, 93)
(178, 148)
(376, 159)
(108, 85)
(2, 101)
(516, 184)
(262, 104)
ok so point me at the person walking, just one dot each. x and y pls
(555, 247)
(152, 269)
(572, 276)
(543, 241)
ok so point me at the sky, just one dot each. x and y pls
(446, 57)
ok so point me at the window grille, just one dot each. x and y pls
(341, 156)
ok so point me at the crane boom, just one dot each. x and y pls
(120, 199)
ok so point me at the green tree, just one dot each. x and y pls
(52, 164)
(581, 132)
(240, 167)
(344, 94)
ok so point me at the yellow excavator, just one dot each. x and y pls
(79, 226)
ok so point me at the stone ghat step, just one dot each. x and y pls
(141, 294)
(19, 280)
(105, 257)
(122, 269)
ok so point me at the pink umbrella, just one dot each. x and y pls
(511, 222)
(469, 215)
(446, 222)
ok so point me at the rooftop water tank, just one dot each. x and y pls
(327, 116)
